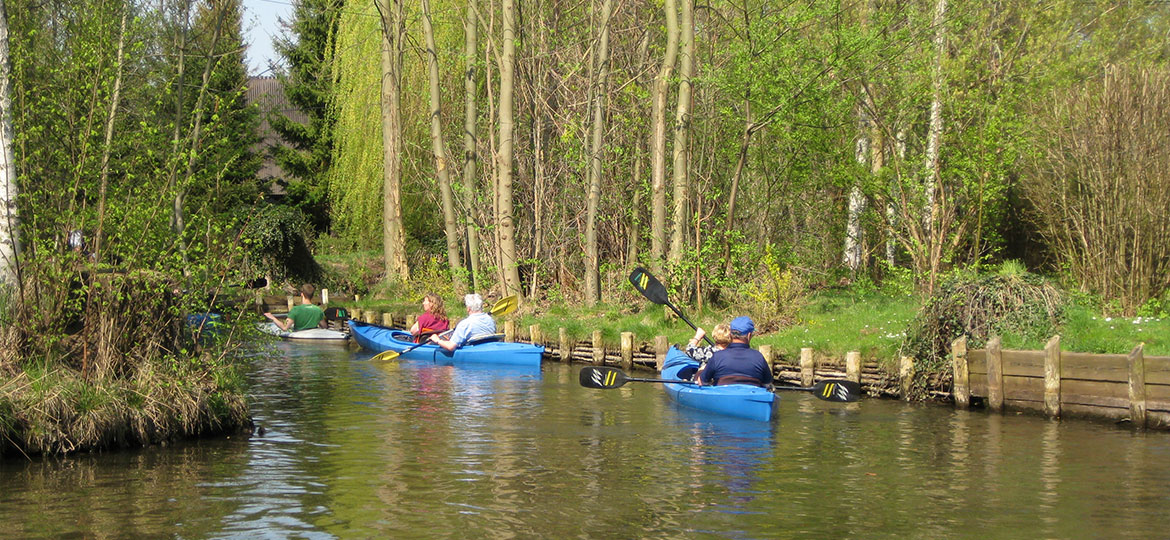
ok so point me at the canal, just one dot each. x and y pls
(356, 449)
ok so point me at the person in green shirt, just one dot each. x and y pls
(302, 317)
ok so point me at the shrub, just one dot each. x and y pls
(1011, 302)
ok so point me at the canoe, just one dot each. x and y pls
(311, 334)
(738, 400)
(380, 338)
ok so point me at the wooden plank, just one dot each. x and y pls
(994, 375)
(661, 345)
(1137, 387)
(1052, 377)
(906, 375)
(853, 366)
(961, 370)
(627, 350)
(807, 367)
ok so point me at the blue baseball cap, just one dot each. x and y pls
(742, 325)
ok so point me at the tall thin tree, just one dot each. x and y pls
(393, 230)
(682, 129)
(9, 222)
(601, 89)
(504, 211)
(658, 140)
(470, 114)
(439, 150)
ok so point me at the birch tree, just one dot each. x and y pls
(9, 222)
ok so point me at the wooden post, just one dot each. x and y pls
(410, 320)
(565, 353)
(853, 366)
(962, 383)
(534, 336)
(766, 351)
(388, 320)
(324, 297)
(598, 348)
(258, 299)
(906, 375)
(661, 345)
(371, 316)
(994, 375)
(509, 331)
(627, 350)
(1137, 386)
(807, 369)
(290, 302)
(1052, 377)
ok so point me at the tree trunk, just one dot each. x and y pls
(682, 128)
(593, 262)
(469, 142)
(658, 142)
(439, 149)
(733, 193)
(852, 255)
(109, 136)
(9, 222)
(393, 233)
(934, 140)
(504, 223)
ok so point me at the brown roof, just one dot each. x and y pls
(268, 93)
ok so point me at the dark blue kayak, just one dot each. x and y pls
(738, 400)
(380, 338)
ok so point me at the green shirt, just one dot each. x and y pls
(305, 316)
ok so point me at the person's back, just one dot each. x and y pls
(306, 316)
(476, 324)
(738, 363)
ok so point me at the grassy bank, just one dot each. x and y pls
(832, 323)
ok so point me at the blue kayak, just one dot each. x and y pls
(380, 338)
(738, 400)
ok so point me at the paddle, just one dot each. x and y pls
(655, 292)
(504, 306)
(608, 377)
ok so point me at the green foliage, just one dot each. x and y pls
(276, 245)
(774, 295)
(307, 152)
(1018, 306)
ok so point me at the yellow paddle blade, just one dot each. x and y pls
(505, 306)
(386, 355)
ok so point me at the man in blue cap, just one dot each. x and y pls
(738, 363)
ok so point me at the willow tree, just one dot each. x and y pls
(9, 242)
(601, 89)
(393, 233)
(658, 140)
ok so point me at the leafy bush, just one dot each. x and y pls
(774, 295)
(1010, 302)
(276, 245)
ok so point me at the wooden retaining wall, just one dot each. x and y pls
(1132, 387)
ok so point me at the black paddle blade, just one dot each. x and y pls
(837, 391)
(649, 286)
(602, 377)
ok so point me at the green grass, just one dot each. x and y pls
(832, 324)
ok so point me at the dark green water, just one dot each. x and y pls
(354, 449)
